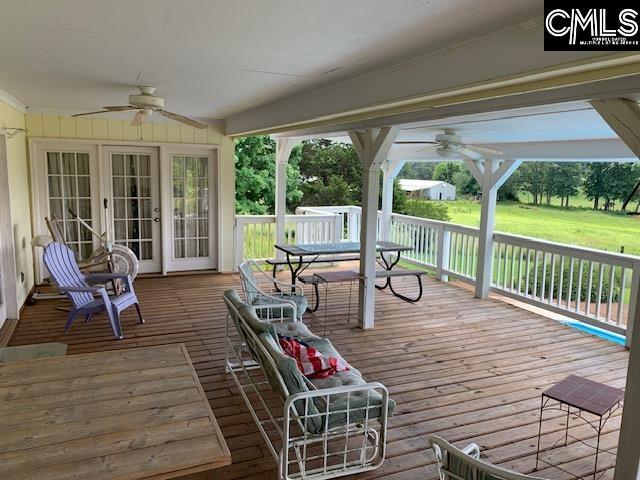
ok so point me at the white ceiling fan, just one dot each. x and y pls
(146, 103)
(450, 146)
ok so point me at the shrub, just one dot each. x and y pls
(615, 293)
(426, 209)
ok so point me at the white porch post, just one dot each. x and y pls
(491, 175)
(390, 170)
(623, 116)
(629, 443)
(372, 147)
(284, 146)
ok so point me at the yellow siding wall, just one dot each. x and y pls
(19, 197)
(95, 128)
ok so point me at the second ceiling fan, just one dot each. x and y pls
(450, 146)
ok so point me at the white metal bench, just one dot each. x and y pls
(313, 430)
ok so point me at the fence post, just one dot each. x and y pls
(442, 254)
(354, 227)
(337, 228)
(635, 291)
(238, 228)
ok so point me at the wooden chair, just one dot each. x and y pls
(61, 263)
(465, 464)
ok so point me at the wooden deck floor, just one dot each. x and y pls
(465, 369)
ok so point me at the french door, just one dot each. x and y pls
(191, 239)
(134, 204)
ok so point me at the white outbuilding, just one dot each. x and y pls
(431, 189)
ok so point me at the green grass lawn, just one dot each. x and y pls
(575, 226)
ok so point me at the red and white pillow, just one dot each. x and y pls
(311, 362)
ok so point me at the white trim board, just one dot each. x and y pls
(12, 102)
(7, 246)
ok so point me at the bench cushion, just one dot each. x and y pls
(296, 330)
(357, 401)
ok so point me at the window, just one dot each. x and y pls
(190, 178)
(69, 184)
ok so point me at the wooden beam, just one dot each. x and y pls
(372, 147)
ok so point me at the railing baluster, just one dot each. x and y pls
(544, 276)
(535, 274)
(589, 289)
(570, 284)
(553, 277)
(527, 292)
(623, 288)
(560, 281)
(513, 265)
(612, 271)
(579, 292)
(599, 297)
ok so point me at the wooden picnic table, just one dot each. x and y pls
(130, 414)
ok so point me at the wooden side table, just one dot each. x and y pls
(583, 395)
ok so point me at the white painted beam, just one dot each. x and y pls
(623, 116)
(584, 150)
(390, 171)
(504, 60)
(503, 172)
(372, 147)
(284, 146)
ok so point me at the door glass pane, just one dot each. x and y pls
(190, 206)
(132, 207)
(69, 188)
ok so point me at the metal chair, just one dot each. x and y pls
(262, 289)
(61, 263)
(465, 464)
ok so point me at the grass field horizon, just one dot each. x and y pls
(577, 225)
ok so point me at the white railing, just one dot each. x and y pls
(351, 217)
(255, 235)
(592, 286)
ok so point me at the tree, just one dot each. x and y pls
(465, 183)
(331, 174)
(445, 171)
(255, 176)
(532, 179)
(611, 181)
(417, 170)
(567, 181)
(594, 183)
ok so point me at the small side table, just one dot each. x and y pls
(336, 277)
(583, 395)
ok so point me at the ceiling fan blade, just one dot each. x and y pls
(89, 113)
(431, 146)
(483, 150)
(120, 108)
(138, 119)
(181, 119)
